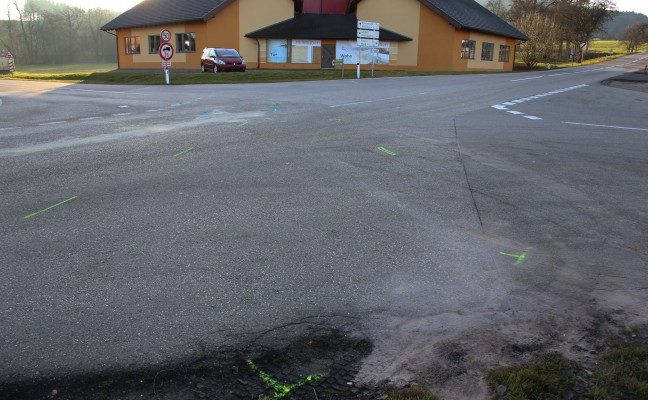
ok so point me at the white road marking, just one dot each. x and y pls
(121, 114)
(526, 79)
(564, 73)
(123, 106)
(608, 126)
(10, 128)
(159, 109)
(375, 101)
(52, 123)
(99, 91)
(89, 118)
(502, 106)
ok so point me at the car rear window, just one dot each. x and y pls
(227, 53)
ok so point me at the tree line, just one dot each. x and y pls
(43, 32)
(558, 28)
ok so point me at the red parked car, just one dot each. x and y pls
(218, 59)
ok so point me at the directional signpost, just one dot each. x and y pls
(166, 53)
(368, 36)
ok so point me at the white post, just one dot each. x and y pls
(166, 74)
(358, 71)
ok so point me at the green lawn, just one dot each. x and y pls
(186, 78)
(54, 69)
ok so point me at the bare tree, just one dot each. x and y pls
(541, 29)
(579, 19)
(635, 35)
(499, 8)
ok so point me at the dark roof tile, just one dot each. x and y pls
(160, 12)
(320, 26)
(470, 15)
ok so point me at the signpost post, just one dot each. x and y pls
(10, 61)
(337, 63)
(368, 36)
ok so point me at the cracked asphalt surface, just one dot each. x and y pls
(285, 215)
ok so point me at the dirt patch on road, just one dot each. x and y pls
(322, 367)
(637, 81)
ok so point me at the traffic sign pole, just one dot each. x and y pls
(368, 35)
(166, 54)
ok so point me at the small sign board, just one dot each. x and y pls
(166, 51)
(338, 62)
(373, 26)
(166, 63)
(583, 45)
(165, 35)
(367, 42)
(9, 55)
(367, 34)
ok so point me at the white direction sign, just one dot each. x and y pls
(363, 33)
(367, 42)
(372, 26)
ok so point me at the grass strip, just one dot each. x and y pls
(622, 372)
(548, 378)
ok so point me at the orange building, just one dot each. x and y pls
(443, 35)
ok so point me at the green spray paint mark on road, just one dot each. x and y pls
(49, 208)
(281, 390)
(386, 151)
(243, 124)
(183, 152)
(520, 257)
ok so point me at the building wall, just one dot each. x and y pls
(436, 44)
(256, 14)
(478, 63)
(406, 22)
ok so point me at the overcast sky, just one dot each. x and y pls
(640, 6)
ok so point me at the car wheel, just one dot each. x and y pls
(202, 68)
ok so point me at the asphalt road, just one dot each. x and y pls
(147, 225)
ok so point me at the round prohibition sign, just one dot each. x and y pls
(165, 35)
(166, 51)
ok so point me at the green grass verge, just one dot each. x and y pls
(187, 78)
(622, 372)
(604, 46)
(548, 378)
(67, 68)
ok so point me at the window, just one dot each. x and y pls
(505, 52)
(185, 42)
(487, 51)
(277, 51)
(305, 51)
(132, 44)
(468, 49)
(154, 44)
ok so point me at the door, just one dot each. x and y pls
(328, 55)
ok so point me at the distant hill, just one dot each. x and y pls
(614, 28)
